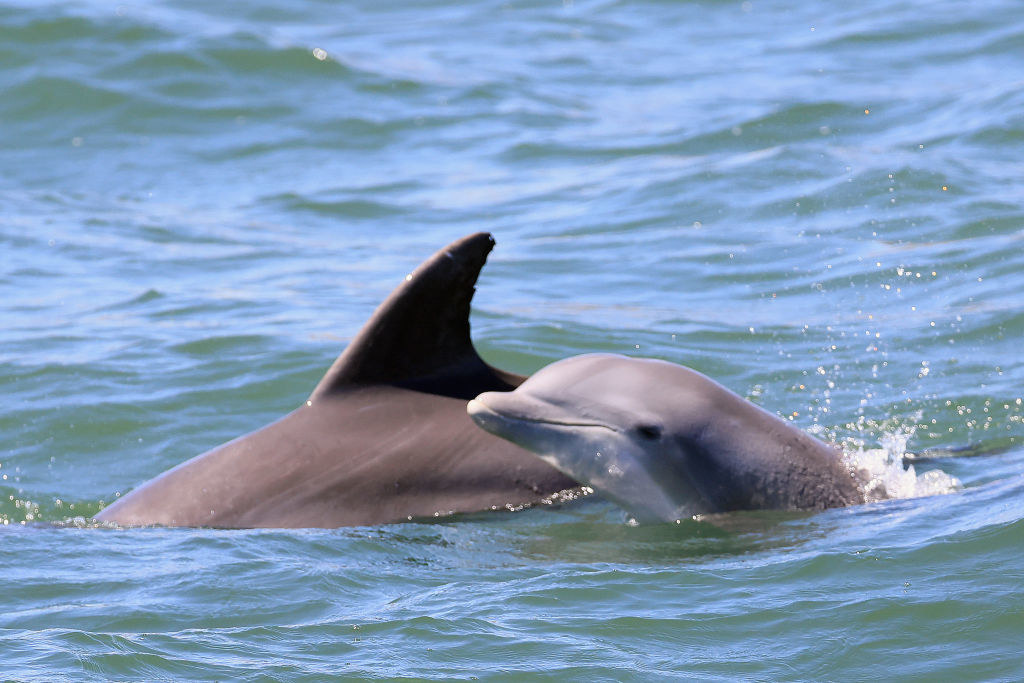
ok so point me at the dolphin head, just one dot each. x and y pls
(629, 428)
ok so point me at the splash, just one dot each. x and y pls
(885, 476)
(15, 510)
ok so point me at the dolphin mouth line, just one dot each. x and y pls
(528, 420)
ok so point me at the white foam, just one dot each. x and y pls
(886, 477)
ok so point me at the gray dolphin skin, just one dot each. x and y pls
(384, 437)
(664, 441)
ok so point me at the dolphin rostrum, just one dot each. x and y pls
(384, 436)
(665, 442)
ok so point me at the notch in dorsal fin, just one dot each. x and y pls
(419, 337)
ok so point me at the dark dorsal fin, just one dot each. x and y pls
(419, 337)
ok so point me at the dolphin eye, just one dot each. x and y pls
(649, 432)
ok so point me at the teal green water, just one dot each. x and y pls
(821, 208)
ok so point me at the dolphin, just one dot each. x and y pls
(665, 442)
(384, 437)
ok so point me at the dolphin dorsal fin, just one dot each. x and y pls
(419, 337)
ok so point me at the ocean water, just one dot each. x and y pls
(820, 207)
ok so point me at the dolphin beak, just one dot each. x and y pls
(483, 416)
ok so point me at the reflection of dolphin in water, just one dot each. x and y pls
(384, 436)
(663, 441)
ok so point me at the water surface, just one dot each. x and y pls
(819, 207)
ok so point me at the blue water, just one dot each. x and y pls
(820, 207)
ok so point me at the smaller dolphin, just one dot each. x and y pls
(664, 441)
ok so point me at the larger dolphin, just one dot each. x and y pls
(384, 437)
(664, 441)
